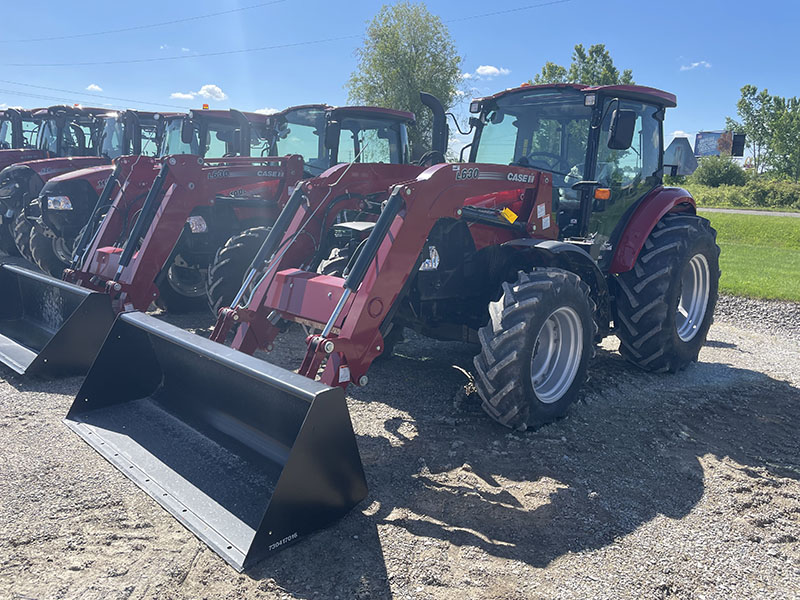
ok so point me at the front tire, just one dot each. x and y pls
(535, 350)
(182, 289)
(7, 245)
(665, 304)
(22, 235)
(50, 254)
(226, 274)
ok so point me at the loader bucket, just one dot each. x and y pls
(49, 327)
(246, 455)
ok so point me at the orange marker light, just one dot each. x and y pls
(205, 106)
(602, 194)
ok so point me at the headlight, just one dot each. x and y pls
(59, 203)
(197, 224)
(432, 263)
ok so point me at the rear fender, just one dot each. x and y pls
(563, 255)
(651, 209)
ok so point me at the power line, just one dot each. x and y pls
(509, 10)
(262, 48)
(182, 56)
(140, 27)
(85, 95)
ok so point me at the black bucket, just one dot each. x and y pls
(49, 327)
(248, 456)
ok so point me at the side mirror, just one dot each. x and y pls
(187, 131)
(332, 135)
(620, 134)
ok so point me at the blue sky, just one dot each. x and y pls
(704, 51)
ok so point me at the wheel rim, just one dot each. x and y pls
(187, 281)
(693, 303)
(60, 249)
(557, 355)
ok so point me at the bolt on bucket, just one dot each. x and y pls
(245, 454)
(49, 327)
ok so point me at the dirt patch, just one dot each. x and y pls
(654, 486)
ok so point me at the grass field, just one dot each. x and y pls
(760, 255)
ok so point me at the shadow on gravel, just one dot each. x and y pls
(627, 454)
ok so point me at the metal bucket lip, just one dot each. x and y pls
(245, 364)
(47, 279)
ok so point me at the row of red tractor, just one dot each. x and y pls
(551, 230)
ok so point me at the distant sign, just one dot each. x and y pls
(713, 143)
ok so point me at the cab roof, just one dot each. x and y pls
(227, 115)
(633, 92)
(340, 111)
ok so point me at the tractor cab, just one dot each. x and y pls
(326, 135)
(68, 131)
(215, 133)
(602, 144)
(18, 128)
(128, 132)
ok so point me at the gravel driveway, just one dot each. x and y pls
(655, 486)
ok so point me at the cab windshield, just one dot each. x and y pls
(112, 138)
(543, 129)
(303, 133)
(6, 134)
(217, 139)
(372, 141)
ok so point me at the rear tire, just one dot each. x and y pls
(665, 304)
(535, 350)
(22, 235)
(45, 254)
(7, 245)
(226, 274)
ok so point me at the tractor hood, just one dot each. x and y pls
(95, 176)
(51, 167)
(9, 157)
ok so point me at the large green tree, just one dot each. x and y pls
(407, 50)
(589, 67)
(784, 144)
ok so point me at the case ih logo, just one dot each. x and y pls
(270, 173)
(520, 177)
(472, 173)
(219, 174)
(101, 183)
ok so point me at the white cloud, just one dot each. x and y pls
(466, 76)
(93, 87)
(208, 92)
(163, 47)
(212, 92)
(184, 50)
(694, 65)
(267, 111)
(680, 133)
(491, 71)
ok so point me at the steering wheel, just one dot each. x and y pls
(547, 155)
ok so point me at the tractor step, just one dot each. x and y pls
(49, 327)
(246, 455)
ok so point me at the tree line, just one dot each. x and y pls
(772, 126)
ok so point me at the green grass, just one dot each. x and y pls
(760, 255)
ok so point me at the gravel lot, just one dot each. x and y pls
(655, 486)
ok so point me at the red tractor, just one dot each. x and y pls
(72, 138)
(557, 230)
(555, 233)
(159, 222)
(66, 202)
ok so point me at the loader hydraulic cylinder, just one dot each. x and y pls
(88, 232)
(142, 221)
(374, 241)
